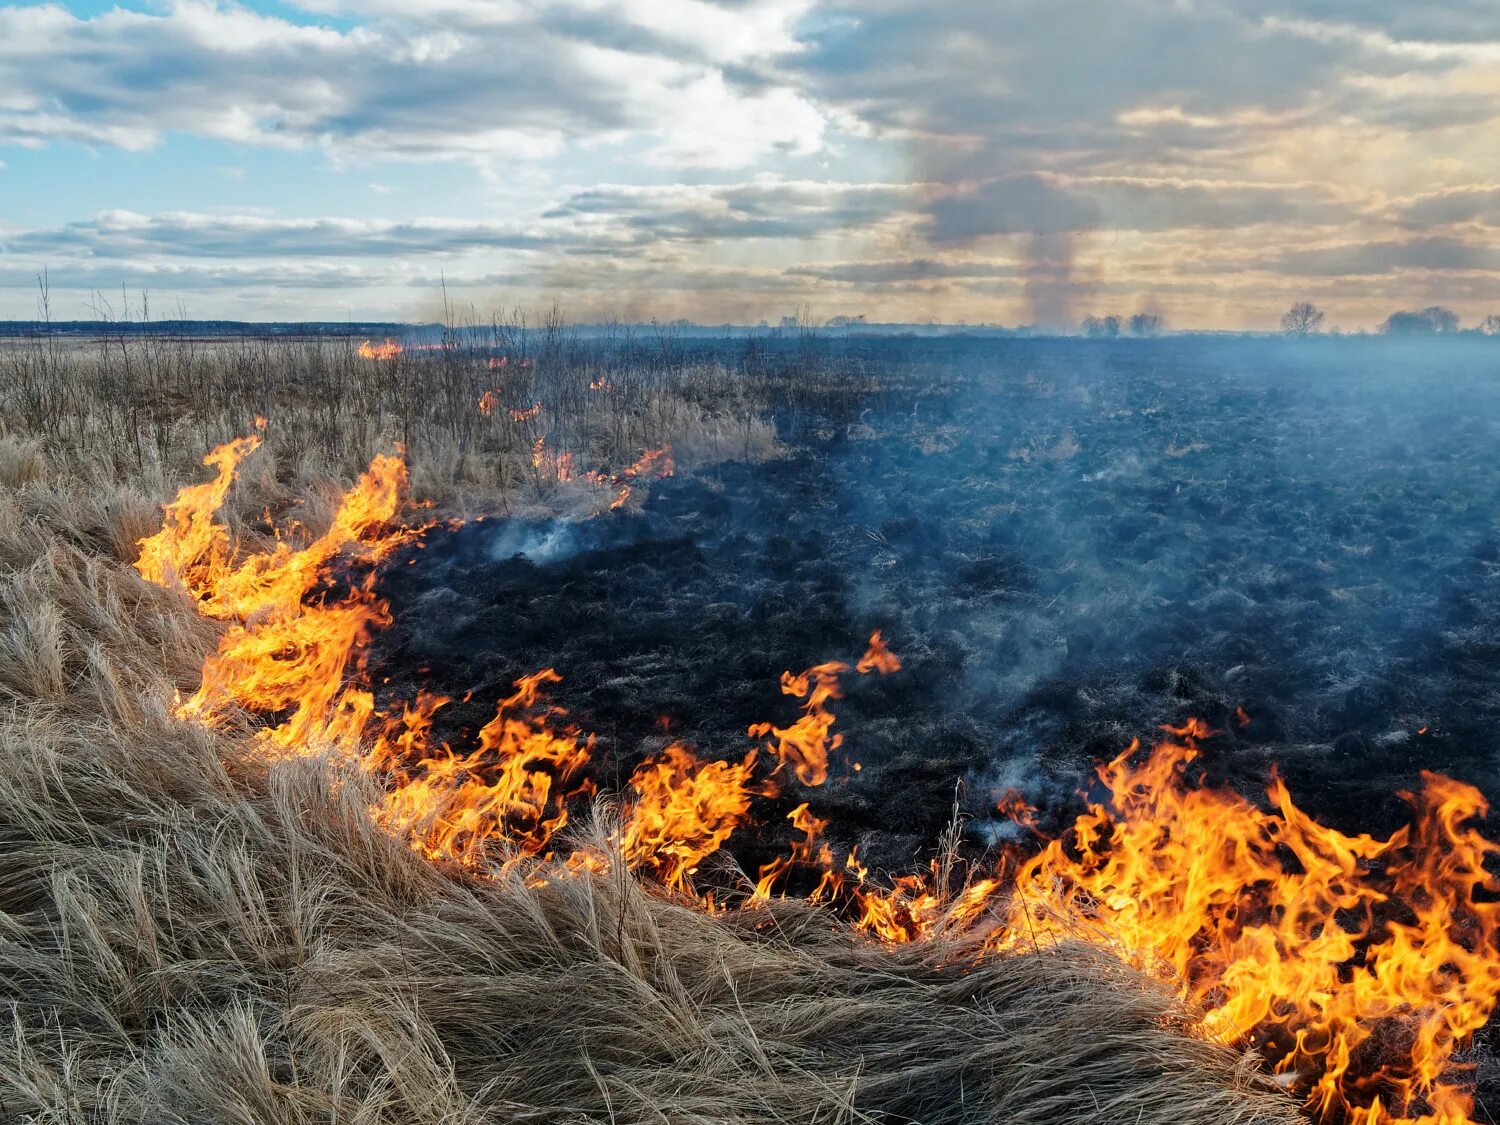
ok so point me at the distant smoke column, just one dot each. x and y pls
(1049, 279)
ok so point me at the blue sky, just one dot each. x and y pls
(982, 160)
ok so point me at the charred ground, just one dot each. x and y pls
(1068, 543)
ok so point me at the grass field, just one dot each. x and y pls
(1067, 544)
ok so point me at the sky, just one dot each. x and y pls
(980, 161)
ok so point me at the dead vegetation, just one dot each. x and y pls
(482, 419)
(189, 934)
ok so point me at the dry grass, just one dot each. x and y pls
(190, 935)
(144, 409)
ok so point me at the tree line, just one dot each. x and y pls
(1305, 319)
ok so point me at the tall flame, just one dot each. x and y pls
(806, 744)
(512, 789)
(285, 652)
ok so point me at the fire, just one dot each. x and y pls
(388, 350)
(560, 467)
(489, 402)
(512, 789)
(652, 463)
(684, 811)
(1358, 967)
(806, 744)
(282, 653)
(193, 547)
(1311, 944)
(526, 415)
(551, 463)
(806, 852)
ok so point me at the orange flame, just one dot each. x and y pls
(282, 655)
(652, 463)
(513, 789)
(684, 811)
(527, 414)
(551, 463)
(1288, 934)
(388, 350)
(193, 547)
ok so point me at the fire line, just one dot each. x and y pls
(1359, 968)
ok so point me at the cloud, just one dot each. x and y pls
(1432, 21)
(729, 31)
(513, 80)
(906, 271)
(176, 277)
(1041, 203)
(611, 220)
(1362, 258)
(765, 208)
(1477, 204)
(125, 234)
(1053, 76)
(1011, 157)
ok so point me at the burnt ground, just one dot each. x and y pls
(1068, 543)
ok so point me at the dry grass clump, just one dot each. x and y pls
(188, 934)
(139, 408)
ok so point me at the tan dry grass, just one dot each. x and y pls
(145, 410)
(190, 935)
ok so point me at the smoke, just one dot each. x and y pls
(1049, 285)
(543, 544)
(1067, 544)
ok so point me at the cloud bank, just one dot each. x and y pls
(991, 160)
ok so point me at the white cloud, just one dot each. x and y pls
(520, 83)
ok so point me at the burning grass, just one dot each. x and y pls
(410, 926)
(200, 927)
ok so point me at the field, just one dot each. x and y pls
(219, 910)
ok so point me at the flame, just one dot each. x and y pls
(806, 744)
(1359, 967)
(388, 350)
(193, 547)
(551, 463)
(652, 463)
(282, 654)
(488, 403)
(527, 414)
(878, 658)
(1288, 934)
(1014, 807)
(684, 812)
(560, 467)
(512, 789)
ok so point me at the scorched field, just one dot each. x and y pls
(547, 728)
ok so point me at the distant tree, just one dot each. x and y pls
(1430, 321)
(1145, 324)
(1302, 319)
(1443, 320)
(1101, 327)
(1490, 325)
